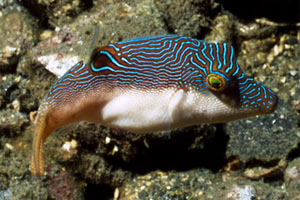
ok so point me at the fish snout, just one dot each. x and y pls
(258, 99)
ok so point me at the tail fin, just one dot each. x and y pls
(42, 131)
(46, 123)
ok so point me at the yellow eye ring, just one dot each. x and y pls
(216, 82)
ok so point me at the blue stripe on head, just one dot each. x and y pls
(218, 58)
(224, 53)
(230, 60)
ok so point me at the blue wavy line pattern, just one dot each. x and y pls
(162, 62)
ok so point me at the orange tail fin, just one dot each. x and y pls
(42, 131)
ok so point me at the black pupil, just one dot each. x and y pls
(216, 83)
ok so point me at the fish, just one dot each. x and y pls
(151, 84)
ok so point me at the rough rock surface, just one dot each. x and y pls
(18, 33)
(264, 138)
(255, 158)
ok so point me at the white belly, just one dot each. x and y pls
(164, 110)
(142, 111)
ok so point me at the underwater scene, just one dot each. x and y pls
(149, 100)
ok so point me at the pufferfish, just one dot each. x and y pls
(150, 84)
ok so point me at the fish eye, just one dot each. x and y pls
(216, 82)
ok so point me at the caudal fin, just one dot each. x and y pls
(41, 132)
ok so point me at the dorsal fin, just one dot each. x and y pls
(93, 45)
